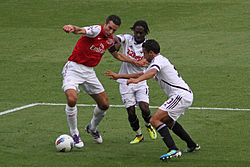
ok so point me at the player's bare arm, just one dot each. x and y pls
(124, 58)
(143, 62)
(74, 29)
(149, 74)
(124, 76)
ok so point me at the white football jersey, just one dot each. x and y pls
(167, 76)
(133, 51)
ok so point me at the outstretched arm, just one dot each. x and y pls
(125, 76)
(74, 29)
(119, 56)
(124, 58)
(149, 74)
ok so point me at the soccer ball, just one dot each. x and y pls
(64, 143)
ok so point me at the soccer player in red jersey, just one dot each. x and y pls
(88, 51)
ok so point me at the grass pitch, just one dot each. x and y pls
(207, 41)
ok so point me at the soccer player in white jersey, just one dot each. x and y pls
(180, 98)
(135, 94)
(79, 71)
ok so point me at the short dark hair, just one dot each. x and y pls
(151, 44)
(141, 23)
(116, 19)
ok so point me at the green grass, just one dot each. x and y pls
(207, 41)
(30, 135)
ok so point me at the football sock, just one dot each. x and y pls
(146, 116)
(166, 137)
(179, 131)
(71, 113)
(134, 122)
(138, 132)
(97, 117)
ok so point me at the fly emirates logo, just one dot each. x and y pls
(99, 49)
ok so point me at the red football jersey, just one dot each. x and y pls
(91, 47)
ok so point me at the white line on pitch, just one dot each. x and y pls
(91, 105)
(18, 108)
(191, 108)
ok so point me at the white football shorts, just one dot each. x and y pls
(77, 74)
(133, 93)
(177, 104)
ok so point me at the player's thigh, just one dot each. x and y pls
(159, 117)
(71, 95)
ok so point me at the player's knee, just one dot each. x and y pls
(72, 100)
(71, 97)
(104, 106)
(168, 121)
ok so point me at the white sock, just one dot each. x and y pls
(71, 113)
(138, 132)
(97, 117)
(147, 124)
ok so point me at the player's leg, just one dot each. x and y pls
(70, 87)
(71, 112)
(162, 128)
(99, 113)
(146, 114)
(129, 101)
(142, 98)
(157, 120)
(134, 123)
(94, 88)
(180, 131)
(100, 110)
(185, 101)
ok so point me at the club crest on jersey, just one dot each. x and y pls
(109, 41)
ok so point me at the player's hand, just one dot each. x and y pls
(142, 63)
(132, 80)
(112, 74)
(69, 28)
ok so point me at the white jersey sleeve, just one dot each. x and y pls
(92, 31)
(122, 38)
